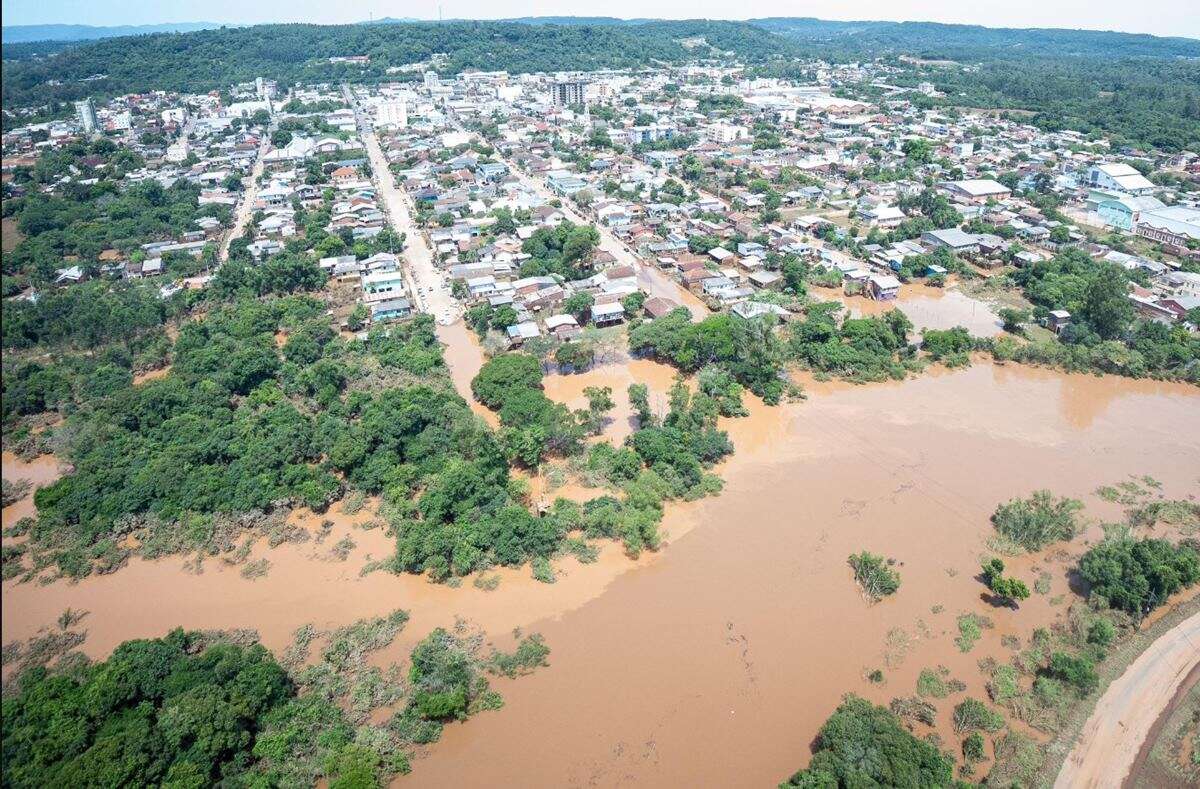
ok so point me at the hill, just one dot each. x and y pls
(210, 59)
(972, 42)
(19, 34)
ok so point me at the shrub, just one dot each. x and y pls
(973, 747)
(1078, 672)
(970, 630)
(874, 576)
(1101, 633)
(948, 342)
(929, 684)
(974, 715)
(1036, 522)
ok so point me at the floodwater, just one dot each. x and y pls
(717, 664)
(39, 472)
(464, 356)
(617, 376)
(714, 661)
(928, 307)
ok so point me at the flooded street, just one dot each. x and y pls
(714, 661)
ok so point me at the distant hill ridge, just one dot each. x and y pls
(20, 34)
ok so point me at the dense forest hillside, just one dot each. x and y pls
(972, 42)
(1141, 89)
(215, 58)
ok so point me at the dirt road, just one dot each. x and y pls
(1112, 737)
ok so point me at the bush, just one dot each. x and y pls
(1036, 522)
(974, 715)
(874, 576)
(931, 685)
(1078, 672)
(1101, 633)
(973, 748)
(949, 342)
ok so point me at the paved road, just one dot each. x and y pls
(245, 208)
(1109, 743)
(651, 279)
(429, 289)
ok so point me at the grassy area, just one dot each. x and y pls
(1175, 756)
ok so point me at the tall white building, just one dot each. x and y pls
(567, 92)
(393, 112)
(85, 113)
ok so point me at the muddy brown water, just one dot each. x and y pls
(38, 472)
(927, 307)
(714, 661)
(717, 664)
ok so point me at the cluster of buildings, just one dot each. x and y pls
(704, 175)
(669, 161)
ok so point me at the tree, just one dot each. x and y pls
(1137, 576)
(1106, 304)
(795, 275)
(357, 318)
(600, 402)
(157, 711)
(505, 375)
(917, 150)
(639, 399)
(503, 317)
(579, 305)
(575, 355)
(1013, 319)
(862, 744)
(1010, 590)
(634, 301)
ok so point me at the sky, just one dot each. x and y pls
(1159, 17)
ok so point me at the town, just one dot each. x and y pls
(538, 205)
(570, 401)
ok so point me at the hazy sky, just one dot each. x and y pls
(1161, 17)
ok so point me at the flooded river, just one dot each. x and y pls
(714, 661)
(716, 664)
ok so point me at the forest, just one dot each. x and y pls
(215, 708)
(209, 59)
